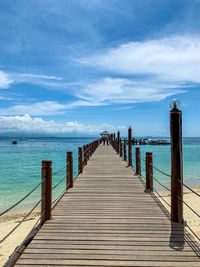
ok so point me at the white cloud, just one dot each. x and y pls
(176, 58)
(27, 124)
(123, 91)
(45, 108)
(29, 75)
(35, 109)
(38, 79)
(5, 80)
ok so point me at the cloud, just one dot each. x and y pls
(35, 109)
(126, 91)
(10, 78)
(37, 79)
(175, 58)
(106, 91)
(37, 76)
(27, 124)
(46, 108)
(5, 80)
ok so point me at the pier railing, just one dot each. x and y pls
(146, 172)
(47, 187)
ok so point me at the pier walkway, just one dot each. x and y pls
(107, 219)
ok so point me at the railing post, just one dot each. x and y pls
(93, 147)
(149, 171)
(176, 165)
(46, 190)
(118, 141)
(80, 160)
(85, 155)
(138, 161)
(129, 147)
(120, 149)
(69, 169)
(124, 151)
(86, 152)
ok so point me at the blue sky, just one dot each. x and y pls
(84, 66)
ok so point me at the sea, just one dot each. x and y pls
(20, 165)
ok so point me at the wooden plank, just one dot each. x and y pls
(74, 262)
(109, 252)
(91, 247)
(119, 257)
(107, 219)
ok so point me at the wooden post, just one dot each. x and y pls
(176, 165)
(46, 190)
(80, 160)
(69, 169)
(120, 149)
(149, 171)
(118, 141)
(114, 136)
(85, 156)
(129, 147)
(138, 161)
(124, 151)
(87, 153)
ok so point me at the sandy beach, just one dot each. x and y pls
(193, 201)
(8, 222)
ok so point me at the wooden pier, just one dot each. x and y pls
(108, 219)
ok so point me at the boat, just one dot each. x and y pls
(14, 142)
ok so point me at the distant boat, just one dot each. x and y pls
(14, 142)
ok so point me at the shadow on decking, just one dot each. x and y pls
(179, 236)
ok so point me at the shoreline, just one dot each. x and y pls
(7, 222)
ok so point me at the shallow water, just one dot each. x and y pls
(162, 160)
(20, 165)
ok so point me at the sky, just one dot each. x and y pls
(84, 66)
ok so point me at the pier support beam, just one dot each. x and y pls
(176, 165)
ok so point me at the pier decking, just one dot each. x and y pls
(107, 219)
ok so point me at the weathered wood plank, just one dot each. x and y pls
(107, 219)
(75, 262)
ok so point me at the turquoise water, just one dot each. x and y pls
(20, 165)
(162, 160)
